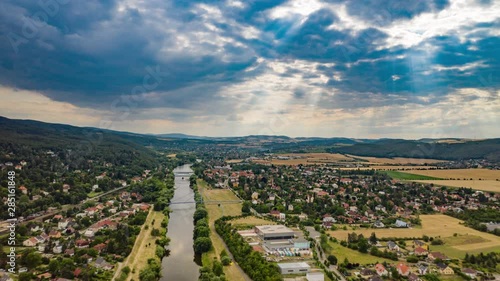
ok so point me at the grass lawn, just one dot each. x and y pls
(214, 212)
(354, 256)
(94, 194)
(407, 176)
(142, 250)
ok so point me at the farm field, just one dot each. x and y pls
(215, 212)
(354, 256)
(324, 158)
(484, 185)
(475, 174)
(392, 167)
(408, 176)
(397, 160)
(250, 221)
(307, 158)
(437, 226)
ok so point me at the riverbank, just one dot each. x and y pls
(138, 260)
(233, 271)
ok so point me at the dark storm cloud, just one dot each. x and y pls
(83, 53)
(89, 53)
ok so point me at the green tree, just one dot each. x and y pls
(200, 213)
(332, 259)
(226, 260)
(202, 245)
(217, 268)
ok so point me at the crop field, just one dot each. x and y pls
(307, 158)
(397, 160)
(437, 226)
(392, 167)
(407, 176)
(484, 185)
(214, 212)
(250, 221)
(460, 174)
(326, 158)
(354, 256)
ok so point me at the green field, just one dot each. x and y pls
(406, 176)
(94, 194)
(353, 256)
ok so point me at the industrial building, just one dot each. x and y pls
(294, 268)
(274, 232)
(315, 276)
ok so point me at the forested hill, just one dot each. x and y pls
(25, 139)
(478, 149)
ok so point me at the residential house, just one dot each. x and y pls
(381, 270)
(31, 242)
(419, 251)
(401, 224)
(101, 263)
(328, 221)
(57, 249)
(392, 246)
(403, 269)
(445, 269)
(376, 278)
(81, 243)
(89, 233)
(69, 252)
(413, 277)
(23, 189)
(437, 255)
(378, 224)
(100, 247)
(418, 243)
(366, 273)
(471, 273)
(66, 188)
(54, 234)
(422, 269)
(64, 223)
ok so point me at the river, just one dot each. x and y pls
(180, 264)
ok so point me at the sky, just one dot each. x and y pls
(329, 68)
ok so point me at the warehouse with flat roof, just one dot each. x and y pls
(294, 267)
(274, 232)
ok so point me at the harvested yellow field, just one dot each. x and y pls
(475, 174)
(392, 167)
(484, 185)
(397, 160)
(434, 226)
(234, 161)
(252, 220)
(306, 158)
(172, 155)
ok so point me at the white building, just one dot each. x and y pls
(294, 267)
(274, 232)
(315, 276)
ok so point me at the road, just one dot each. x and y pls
(322, 257)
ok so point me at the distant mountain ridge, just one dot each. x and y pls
(40, 134)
